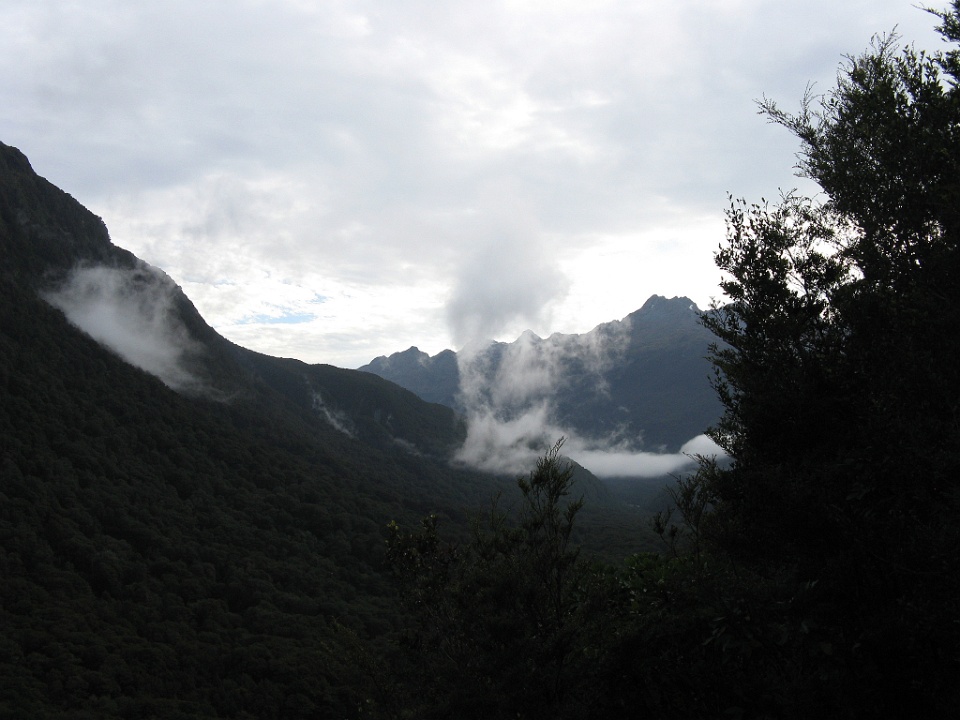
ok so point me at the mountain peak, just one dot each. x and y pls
(642, 381)
(659, 303)
(12, 160)
(43, 230)
(435, 379)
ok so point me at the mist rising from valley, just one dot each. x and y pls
(510, 397)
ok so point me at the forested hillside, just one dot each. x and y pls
(168, 553)
(197, 531)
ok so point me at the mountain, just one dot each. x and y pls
(435, 379)
(180, 522)
(641, 382)
(55, 248)
(189, 528)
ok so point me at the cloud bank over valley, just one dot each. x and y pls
(517, 399)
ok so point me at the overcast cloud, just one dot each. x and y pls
(340, 180)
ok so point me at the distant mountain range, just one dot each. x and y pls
(642, 382)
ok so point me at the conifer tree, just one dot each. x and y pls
(838, 364)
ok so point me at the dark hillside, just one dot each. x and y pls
(192, 554)
(359, 405)
(202, 538)
(435, 379)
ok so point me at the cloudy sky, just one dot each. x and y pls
(334, 180)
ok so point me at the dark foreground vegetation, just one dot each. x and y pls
(819, 574)
(173, 556)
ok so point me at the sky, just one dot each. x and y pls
(334, 181)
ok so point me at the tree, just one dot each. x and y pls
(838, 365)
(506, 625)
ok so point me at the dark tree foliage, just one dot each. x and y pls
(838, 370)
(815, 575)
(511, 623)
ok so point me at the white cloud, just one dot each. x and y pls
(507, 446)
(702, 445)
(133, 313)
(511, 419)
(442, 171)
(615, 463)
(625, 464)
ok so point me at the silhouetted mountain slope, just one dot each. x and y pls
(366, 408)
(185, 553)
(435, 379)
(189, 528)
(46, 236)
(642, 381)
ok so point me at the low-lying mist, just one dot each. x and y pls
(132, 312)
(512, 445)
(509, 406)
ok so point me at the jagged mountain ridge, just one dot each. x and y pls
(642, 380)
